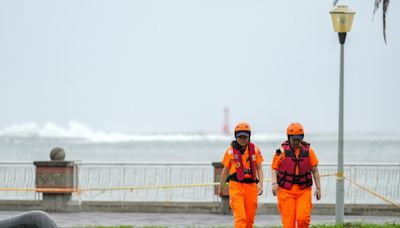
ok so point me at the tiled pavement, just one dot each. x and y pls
(184, 220)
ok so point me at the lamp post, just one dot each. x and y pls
(342, 18)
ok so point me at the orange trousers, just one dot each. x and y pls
(243, 202)
(295, 206)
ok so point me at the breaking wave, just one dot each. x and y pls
(76, 130)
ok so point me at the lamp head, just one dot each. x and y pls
(342, 18)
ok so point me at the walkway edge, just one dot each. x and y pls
(192, 207)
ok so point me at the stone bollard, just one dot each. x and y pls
(56, 180)
(225, 209)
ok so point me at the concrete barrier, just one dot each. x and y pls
(55, 179)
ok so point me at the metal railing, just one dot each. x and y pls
(180, 182)
(151, 176)
(18, 175)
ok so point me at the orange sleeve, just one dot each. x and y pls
(226, 161)
(259, 157)
(313, 158)
(276, 161)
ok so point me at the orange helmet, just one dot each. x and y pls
(243, 127)
(295, 129)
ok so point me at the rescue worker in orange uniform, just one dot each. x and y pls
(243, 170)
(293, 167)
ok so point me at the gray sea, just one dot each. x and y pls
(193, 147)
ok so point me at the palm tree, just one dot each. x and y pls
(385, 4)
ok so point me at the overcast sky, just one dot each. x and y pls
(172, 66)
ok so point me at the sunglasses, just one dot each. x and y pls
(243, 136)
(297, 137)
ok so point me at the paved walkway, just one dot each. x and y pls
(184, 220)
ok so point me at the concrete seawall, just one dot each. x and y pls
(192, 207)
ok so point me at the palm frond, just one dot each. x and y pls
(376, 6)
(384, 9)
(335, 2)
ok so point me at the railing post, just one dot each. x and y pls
(224, 209)
(168, 190)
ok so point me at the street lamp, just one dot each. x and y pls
(342, 19)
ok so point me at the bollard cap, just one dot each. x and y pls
(57, 154)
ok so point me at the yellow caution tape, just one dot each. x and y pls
(81, 190)
(339, 176)
(327, 175)
(372, 192)
(45, 190)
(18, 189)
